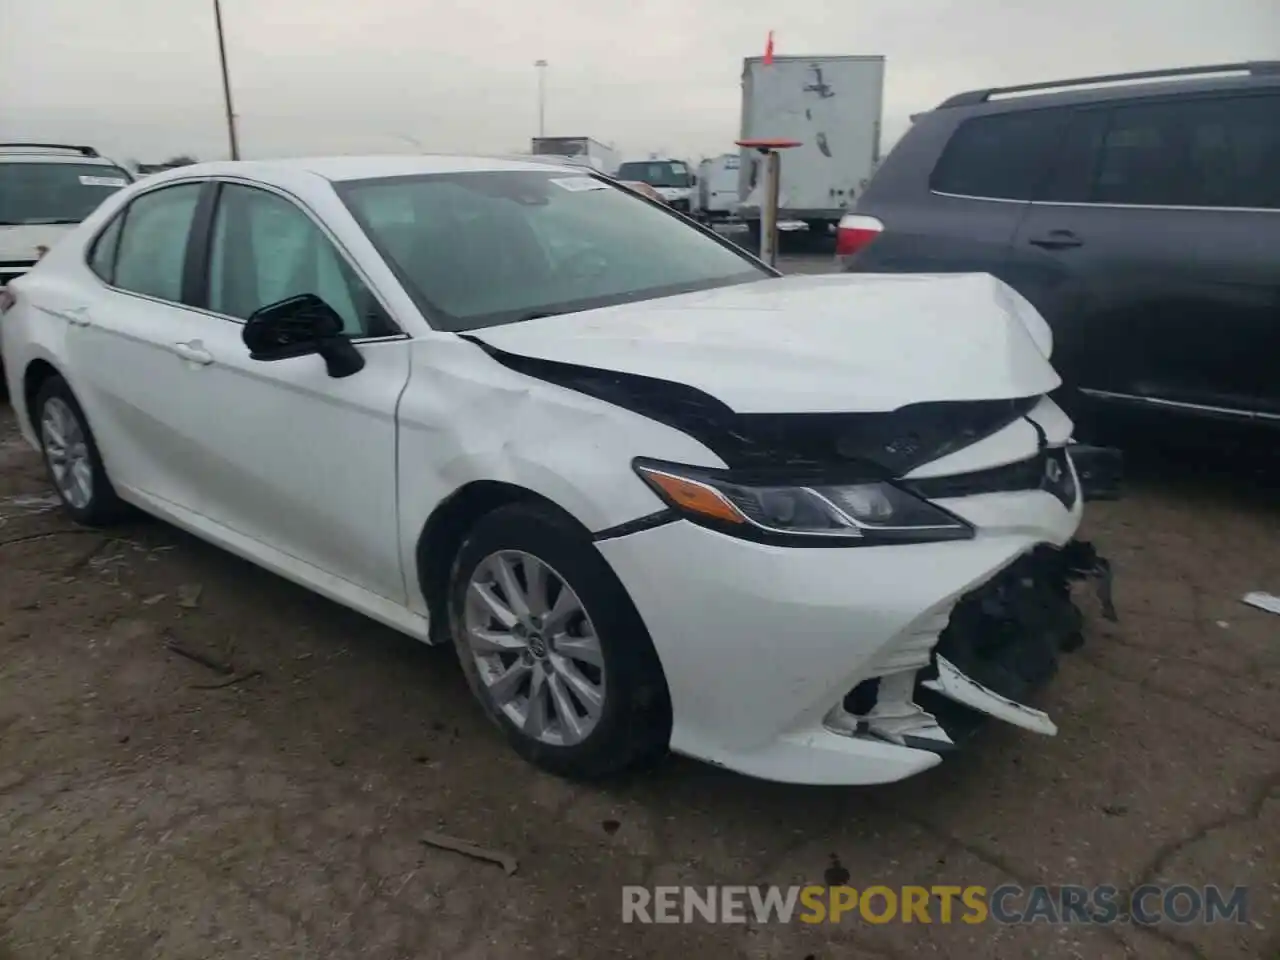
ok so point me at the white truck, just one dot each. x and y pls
(832, 106)
(672, 179)
(716, 197)
(602, 158)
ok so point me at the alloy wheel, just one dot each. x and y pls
(535, 648)
(67, 449)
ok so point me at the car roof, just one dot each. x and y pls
(1083, 90)
(342, 168)
(35, 156)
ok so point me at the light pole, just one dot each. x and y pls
(226, 83)
(542, 96)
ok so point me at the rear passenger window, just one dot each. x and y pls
(153, 244)
(102, 260)
(1217, 152)
(1005, 156)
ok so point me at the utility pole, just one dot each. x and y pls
(226, 83)
(542, 96)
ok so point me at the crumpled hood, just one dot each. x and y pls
(20, 242)
(813, 344)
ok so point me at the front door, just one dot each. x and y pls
(284, 453)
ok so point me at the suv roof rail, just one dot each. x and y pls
(83, 151)
(1255, 67)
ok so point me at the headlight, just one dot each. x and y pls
(801, 514)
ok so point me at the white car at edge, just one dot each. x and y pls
(656, 494)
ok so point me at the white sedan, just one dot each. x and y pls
(657, 495)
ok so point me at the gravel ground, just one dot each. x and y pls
(147, 812)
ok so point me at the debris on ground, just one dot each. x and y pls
(32, 537)
(1263, 601)
(195, 656)
(26, 505)
(230, 681)
(504, 860)
(189, 595)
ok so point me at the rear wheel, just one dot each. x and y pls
(71, 456)
(553, 648)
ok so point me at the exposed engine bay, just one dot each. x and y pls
(1000, 643)
(886, 445)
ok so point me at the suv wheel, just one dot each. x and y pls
(553, 648)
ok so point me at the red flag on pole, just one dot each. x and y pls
(768, 49)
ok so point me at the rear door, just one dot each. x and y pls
(123, 335)
(951, 197)
(1154, 249)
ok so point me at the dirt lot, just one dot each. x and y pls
(146, 812)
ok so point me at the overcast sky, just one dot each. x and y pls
(139, 78)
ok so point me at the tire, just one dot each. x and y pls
(632, 726)
(55, 402)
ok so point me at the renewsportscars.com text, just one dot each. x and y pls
(1009, 904)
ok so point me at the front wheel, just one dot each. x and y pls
(71, 456)
(553, 648)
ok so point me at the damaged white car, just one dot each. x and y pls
(657, 495)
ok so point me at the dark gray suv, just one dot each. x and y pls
(1140, 213)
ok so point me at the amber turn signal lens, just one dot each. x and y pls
(694, 497)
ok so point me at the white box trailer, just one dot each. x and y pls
(600, 156)
(832, 106)
(717, 193)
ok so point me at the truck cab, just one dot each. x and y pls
(673, 180)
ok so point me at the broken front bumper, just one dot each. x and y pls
(761, 645)
(1001, 643)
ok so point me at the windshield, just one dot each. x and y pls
(33, 193)
(479, 249)
(656, 173)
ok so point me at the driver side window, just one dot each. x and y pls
(266, 249)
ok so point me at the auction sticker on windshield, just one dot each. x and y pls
(576, 184)
(103, 181)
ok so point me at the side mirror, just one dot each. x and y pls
(298, 327)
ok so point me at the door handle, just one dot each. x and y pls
(194, 352)
(78, 316)
(1056, 240)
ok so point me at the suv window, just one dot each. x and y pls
(153, 242)
(1215, 152)
(35, 193)
(1005, 156)
(656, 173)
(266, 249)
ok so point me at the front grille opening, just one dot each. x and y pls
(1048, 470)
(861, 700)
